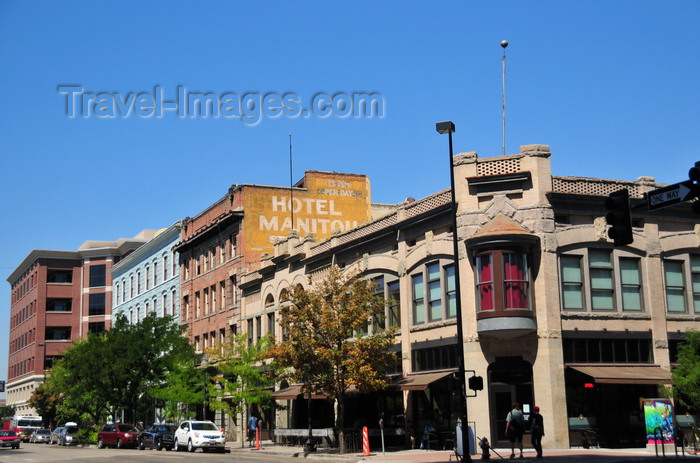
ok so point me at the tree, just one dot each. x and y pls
(686, 376)
(81, 377)
(241, 381)
(180, 388)
(45, 402)
(7, 411)
(325, 346)
(117, 369)
(141, 355)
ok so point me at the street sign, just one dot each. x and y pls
(670, 195)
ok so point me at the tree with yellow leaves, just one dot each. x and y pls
(327, 345)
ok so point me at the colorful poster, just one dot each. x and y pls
(658, 417)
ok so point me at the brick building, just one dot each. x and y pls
(57, 297)
(230, 237)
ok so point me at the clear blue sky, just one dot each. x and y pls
(611, 86)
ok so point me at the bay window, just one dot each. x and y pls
(502, 281)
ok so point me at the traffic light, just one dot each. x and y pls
(694, 176)
(619, 218)
(694, 173)
(476, 383)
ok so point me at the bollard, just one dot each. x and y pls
(365, 441)
(257, 438)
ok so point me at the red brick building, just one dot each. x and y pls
(57, 297)
(231, 236)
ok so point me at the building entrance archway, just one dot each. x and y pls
(510, 380)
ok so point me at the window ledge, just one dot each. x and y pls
(609, 316)
(682, 317)
(433, 325)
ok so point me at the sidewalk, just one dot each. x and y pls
(443, 456)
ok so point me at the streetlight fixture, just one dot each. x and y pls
(204, 364)
(448, 127)
(309, 446)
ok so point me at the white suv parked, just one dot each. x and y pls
(199, 434)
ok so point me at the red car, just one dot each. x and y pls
(9, 439)
(118, 435)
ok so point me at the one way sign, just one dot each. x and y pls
(669, 195)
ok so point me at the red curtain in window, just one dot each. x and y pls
(515, 281)
(486, 297)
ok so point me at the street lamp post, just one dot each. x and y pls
(309, 446)
(448, 127)
(204, 364)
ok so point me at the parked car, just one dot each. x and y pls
(39, 436)
(157, 436)
(199, 434)
(118, 435)
(69, 434)
(55, 435)
(9, 439)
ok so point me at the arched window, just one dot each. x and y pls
(433, 292)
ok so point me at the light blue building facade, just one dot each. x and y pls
(147, 281)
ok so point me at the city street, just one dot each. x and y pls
(37, 453)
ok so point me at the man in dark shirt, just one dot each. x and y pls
(537, 431)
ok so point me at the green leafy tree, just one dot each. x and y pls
(325, 345)
(7, 411)
(81, 378)
(180, 389)
(240, 381)
(686, 376)
(117, 369)
(143, 353)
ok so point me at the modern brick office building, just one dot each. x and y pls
(553, 314)
(57, 297)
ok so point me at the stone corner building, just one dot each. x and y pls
(553, 314)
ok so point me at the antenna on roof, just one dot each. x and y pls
(291, 182)
(504, 44)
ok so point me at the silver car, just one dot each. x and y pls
(68, 435)
(55, 435)
(39, 436)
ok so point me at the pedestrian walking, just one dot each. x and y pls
(537, 431)
(515, 427)
(252, 426)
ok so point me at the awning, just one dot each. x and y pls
(420, 381)
(292, 392)
(625, 374)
